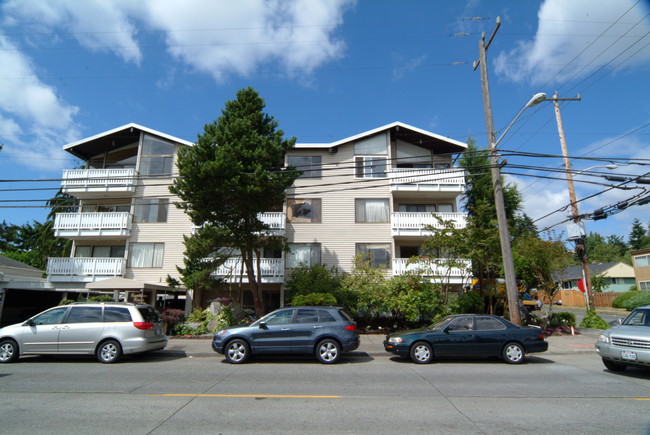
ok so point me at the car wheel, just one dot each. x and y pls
(513, 353)
(615, 367)
(328, 351)
(109, 352)
(422, 353)
(8, 351)
(237, 351)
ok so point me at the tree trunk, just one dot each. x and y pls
(253, 282)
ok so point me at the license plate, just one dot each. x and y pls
(157, 331)
(628, 355)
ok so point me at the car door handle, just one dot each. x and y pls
(286, 329)
(317, 326)
(65, 327)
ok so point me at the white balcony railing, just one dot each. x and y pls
(413, 224)
(427, 179)
(84, 269)
(79, 182)
(272, 270)
(72, 225)
(433, 268)
(275, 221)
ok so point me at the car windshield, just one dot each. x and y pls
(638, 317)
(440, 323)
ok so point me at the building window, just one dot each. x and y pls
(309, 165)
(644, 285)
(377, 253)
(442, 165)
(303, 254)
(417, 208)
(642, 260)
(99, 251)
(370, 167)
(303, 210)
(371, 210)
(151, 210)
(146, 255)
(157, 156)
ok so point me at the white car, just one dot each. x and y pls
(627, 344)
(105, 329)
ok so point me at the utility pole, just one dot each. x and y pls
(581, 248)
(504, 234)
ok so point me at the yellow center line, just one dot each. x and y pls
(282, 396)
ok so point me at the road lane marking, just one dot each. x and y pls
(281, 396)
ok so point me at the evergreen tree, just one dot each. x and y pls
(638, 235)
(234, 173)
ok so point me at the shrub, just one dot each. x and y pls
(224, 318)
(470, 302)
(639, 299)
(621, 300)
(304, 280)
(66, 301)
(172, 317)
(314, 299)
(593, 320)
(561, 319)
(101, 298)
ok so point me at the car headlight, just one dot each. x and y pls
(603, 338)
(395, 340)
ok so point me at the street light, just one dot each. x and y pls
(504, 234)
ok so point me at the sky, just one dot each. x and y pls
(331, 69)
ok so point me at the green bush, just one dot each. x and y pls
(621, 300)
(225, 318)
(101, 298)
(639, 299)
(470, 302)
(66, 301)
(322, 299)
(305, 280)
(561, 319)
(593, 320)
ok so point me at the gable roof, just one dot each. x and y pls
(575, 272)
(401, 131)
(6, 262)
(120, 136)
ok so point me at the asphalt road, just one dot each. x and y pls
(158, 394)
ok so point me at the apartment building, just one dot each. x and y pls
(370, 194)
(641, 262)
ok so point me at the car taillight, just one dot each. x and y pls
(541, 336)
(143, 325)
(351, 328)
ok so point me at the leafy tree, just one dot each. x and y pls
(234, 173)
(600, 250)
(598, 283)
(305, 280)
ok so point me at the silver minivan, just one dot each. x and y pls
(105, 329)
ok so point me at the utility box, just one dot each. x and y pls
(575, 230)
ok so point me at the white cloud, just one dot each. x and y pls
(567, 42)
(406, 66)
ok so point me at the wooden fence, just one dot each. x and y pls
(575, 298)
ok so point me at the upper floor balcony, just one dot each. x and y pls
(98, 183)
(275, 221)
(415, 224)
(233, 269)
(99, 224)
(427, 179)
(435, 269)
(84, 269)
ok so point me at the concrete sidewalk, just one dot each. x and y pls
(372, 345)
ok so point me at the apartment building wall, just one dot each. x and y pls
(641, 263)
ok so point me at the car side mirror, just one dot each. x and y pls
(29, 322)
(619, 321)
(262, 325)
(446, 329)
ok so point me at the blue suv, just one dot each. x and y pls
(326, 332)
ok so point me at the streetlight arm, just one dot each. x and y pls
(534, 101)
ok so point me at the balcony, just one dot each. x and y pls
(432, 268)
(427, 180)
(413, 224)
(80, 269)
(272, 270)
(80, 225)
(275, 221)
(98, 183)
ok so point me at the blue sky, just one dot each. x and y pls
(329, 69)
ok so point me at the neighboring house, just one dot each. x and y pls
(23, 291)
(619, 277)
(370, 194)
(641, 261)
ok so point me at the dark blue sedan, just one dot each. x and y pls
(468, 335)
(326, 332)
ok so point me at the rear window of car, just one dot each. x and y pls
(150, 315)
(488, 323)
(117, 314)
(84, 315)
(345, 316)
(325, 316)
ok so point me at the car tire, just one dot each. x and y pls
(109, 352)
(421, 353)
(513, 353)
(328, 351)
(8, 351)
(615, 367)
(237, 351)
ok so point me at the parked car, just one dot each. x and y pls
(467, 335)
(105, 329)
(529, 302)
(627, 344)
(326, 332)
